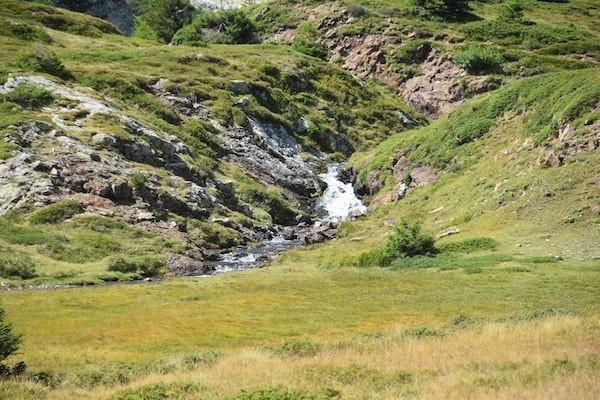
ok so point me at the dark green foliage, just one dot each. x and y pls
(16, 265)
(295, 349)
(446, 8)
(56, 212)
(407, 240)
(9, 341)
(41, 60)
(480, 59)
(280, 393)
(162, 19)
(29, 96)
(307, 42)
(23, 31)
(146, 266)
(226, 26)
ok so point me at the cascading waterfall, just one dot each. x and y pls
(339, 200)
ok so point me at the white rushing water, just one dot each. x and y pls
(339, 200)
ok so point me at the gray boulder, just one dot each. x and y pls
(118, 12)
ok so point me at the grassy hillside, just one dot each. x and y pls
(507, 308)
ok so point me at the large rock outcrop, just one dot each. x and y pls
(118, 12)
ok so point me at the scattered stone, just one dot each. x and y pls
(182, 265)
(104, 139)
(145, 216)
(448, 232)
(553, 159)
(422, 176)
(401, 168)
(399, 191)
(240, 87)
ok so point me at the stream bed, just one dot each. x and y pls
(338, 203)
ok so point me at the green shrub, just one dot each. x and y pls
(307, 42)
(408, 241)
(56, 212)
(17, 266)
(162, 19)
(41, 60)
(226, 26)
(29, 96)
(446, 8)
(146, 266)
(478, 59)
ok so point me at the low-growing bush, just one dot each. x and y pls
(162, 19)
(307, 41)
(478, 59)
(281, 393)
(56, 212)
(29, 96)
(41, 60)
(17, 266)
(146, 266)
(295, 348)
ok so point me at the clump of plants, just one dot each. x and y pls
(146, 266)
(477, 59)
(227, 26)
(41, 60)
(17, 266)
(162, 19)
(307, 41)
(406, 241)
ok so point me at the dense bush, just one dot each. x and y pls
(29, 96)
(480, 59)
(307, 41)
(56, 212)
(17, 266)
(41, 60)
(406, 241)
(446, 8)
(162, 19)
(226, 26)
